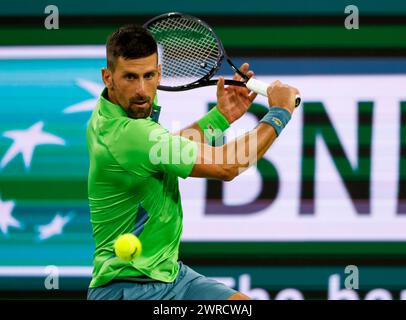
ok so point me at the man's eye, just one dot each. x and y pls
(149, 75)
(129, 77)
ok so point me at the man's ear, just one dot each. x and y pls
(107, 77)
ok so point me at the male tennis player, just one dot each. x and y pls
(130, 192)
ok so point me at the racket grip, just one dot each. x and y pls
(257, 86)
(262, 89)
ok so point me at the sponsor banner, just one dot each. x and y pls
(336, 173)
(315, 282)
(287, 282)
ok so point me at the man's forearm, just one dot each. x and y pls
(230, 160)
(208, 128)
(246, 150)
(237, 155)
(192, 132)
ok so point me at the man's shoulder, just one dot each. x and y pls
(132, 130)
(126, 124)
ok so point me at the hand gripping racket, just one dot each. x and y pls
(191, 54)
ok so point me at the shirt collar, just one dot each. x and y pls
(112, 110)
(108, 108)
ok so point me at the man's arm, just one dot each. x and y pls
(228, 161)
(192, 132)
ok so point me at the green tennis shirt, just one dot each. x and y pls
(133, 188)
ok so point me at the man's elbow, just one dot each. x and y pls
(229, 173)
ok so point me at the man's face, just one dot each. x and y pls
(133, 84)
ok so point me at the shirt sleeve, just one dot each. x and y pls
(144, 147)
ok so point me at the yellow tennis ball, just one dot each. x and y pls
(127, 247)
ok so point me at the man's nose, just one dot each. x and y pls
(140, 86)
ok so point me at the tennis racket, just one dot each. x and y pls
(191, 54)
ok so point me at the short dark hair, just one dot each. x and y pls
(129, 42)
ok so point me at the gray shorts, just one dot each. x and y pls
(188, 285)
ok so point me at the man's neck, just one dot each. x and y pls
(110, 97)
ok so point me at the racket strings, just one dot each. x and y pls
(189, 50)
(185, 49)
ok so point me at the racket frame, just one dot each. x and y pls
(205, 80)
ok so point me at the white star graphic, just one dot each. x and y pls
(88, 105)
(25, 142)
(6, 219)
(54, 227)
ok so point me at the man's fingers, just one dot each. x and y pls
(276, 83)
(250, 74)
(220, 87)
(295, 90)
(252, 96)
(283, 95)
(243, 69)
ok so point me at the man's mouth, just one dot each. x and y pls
(141, 103)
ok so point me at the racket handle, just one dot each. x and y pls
(262, 89)
(257, 86)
